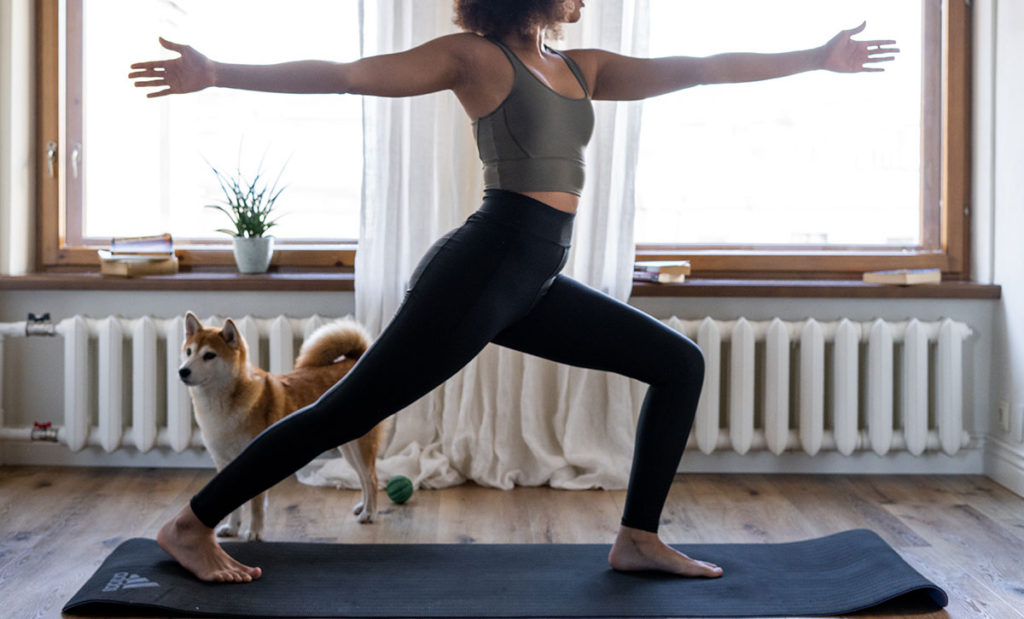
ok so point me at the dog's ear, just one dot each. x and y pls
(229, 333)
(192, 324)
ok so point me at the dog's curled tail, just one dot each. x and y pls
(343, 338)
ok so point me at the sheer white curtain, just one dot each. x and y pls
(507, 418)
(16, 175)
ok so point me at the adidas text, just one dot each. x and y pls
(124, 580)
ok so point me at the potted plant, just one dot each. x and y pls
(248, 205)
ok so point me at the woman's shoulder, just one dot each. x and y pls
(583, 56)
(588, 60)
(476, 52)
(465, 48)
(464, 41)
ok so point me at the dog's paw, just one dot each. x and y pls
(251, 535)
(226, 530)
(363, 515)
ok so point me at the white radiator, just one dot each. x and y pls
(782, 386)
(97, 377)
(766, 385)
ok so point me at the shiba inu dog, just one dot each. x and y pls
(234, 400)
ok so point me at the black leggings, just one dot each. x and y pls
(494, 279)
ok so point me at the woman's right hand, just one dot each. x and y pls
(190, 72)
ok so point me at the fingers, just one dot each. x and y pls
(153, 64)
(160, 64)
(146, 73)
(151, 83)
(870, 60)
(867, 64)
(177, 47)
(880, 47)
(167, 88)
(858, 29)
(879, 51)
(153, 74)
(881, 54)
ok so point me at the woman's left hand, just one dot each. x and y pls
(844, 55)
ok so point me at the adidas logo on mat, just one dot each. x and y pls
(124, 580)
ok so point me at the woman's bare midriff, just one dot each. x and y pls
(560, 200)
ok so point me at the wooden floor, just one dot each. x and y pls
(964, 533)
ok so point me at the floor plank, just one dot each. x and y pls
(964, 533)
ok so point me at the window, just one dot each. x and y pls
(814, 172)
(710, 187)
(134, 166)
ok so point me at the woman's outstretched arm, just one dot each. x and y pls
(431, 67)
(623, 78)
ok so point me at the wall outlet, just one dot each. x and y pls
(1003, 416)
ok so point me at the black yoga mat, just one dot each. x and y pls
(832, 575)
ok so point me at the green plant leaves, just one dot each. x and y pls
(247, 203)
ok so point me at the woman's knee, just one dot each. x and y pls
(683, 361)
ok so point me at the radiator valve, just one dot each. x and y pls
(44, 432)
(40, 325)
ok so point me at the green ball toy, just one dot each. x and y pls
(399, 489)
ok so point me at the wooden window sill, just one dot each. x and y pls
(344, 281)
(816, 289)
(200, 281)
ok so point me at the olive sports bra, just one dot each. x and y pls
(534, 140)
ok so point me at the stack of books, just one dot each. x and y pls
(139, 255)
(661, 271)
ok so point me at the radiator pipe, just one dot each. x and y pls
(34, 434)
(33, 326)
(44, 432)
(40, 325)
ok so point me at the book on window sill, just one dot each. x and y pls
(136, 265)
(663, 267)
(154, 245)
(659, 278)
(904, 277)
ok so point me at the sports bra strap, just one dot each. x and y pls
(575, 68)
(519, 64)
(516, 62)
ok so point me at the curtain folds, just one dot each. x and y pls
(507, 418)
(17, 223)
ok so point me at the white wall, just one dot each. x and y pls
(1005, 176)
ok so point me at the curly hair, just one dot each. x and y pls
(502, 17)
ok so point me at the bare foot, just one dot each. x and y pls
(194, 546)
(635, 550)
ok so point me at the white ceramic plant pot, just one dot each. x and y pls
(253, 254)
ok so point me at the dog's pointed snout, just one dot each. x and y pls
(184, 372)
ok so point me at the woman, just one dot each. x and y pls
(496, 278)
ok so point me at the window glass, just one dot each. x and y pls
(815, 159)
(146, 162)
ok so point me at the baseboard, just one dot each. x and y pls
(969, 461)
(1004, 464)
(39, 454)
